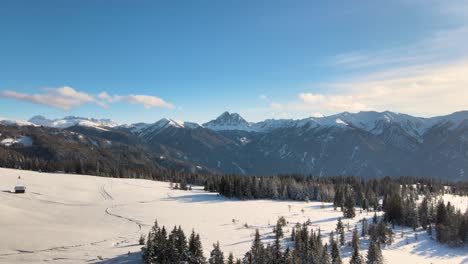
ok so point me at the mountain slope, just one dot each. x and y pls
(367, 144)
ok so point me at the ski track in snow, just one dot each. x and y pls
(118, 240)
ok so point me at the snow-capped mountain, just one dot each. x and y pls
(7, 122)
(228, 121)
(370, 121)
(373, 122)
(366, 144)
(72, 121)
(145, 128)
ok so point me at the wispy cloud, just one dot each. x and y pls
(64, 98)
(441, 47)
(146, 100)
(333, 102)
(427, 77)
(67, 98)
(425, 91)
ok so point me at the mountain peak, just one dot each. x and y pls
(228, 121)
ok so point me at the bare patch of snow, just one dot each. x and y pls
(23, 140)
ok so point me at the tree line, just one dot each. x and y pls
(399, 199)
(305, 246)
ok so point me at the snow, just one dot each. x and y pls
(146, 129)
(242, 171)
(78, 219)
(459, 202)
(244, 140)
(191, 125)
(371, 121)
(24, 140)
(228, 121)
(7, 122)
(72, 121)
(340, 122)
(93, 142)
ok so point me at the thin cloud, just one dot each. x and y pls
(146, 100)
(64, 98)
(432, 91)
(67, 98)
(441, 47)
(336, 102)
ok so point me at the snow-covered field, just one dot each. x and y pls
(83, 219)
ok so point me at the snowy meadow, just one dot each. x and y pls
(85, 219)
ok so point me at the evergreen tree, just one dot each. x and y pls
(335, 254)
(325, 256)
(356, 257)
(374, 254)
(287, 257)
(340, 231)
(195, 249)
(331, 239)
(441, 213)
(230, 259)
(216, 255)
(181, 245)
(257, 250)
(279, 228)
(148, 250)
(463, 231)
(277, 248)
(424, 213)
(348, 210)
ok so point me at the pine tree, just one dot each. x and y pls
(463, 231)
(374, 219)
(287, 257)
(349, 203)
(441, 213)
(424, 213)
(279, 228)
(331, 239)
(257, 249)
(340, 230)
(152, 245)
(325, 256)
(335, 254)
(277, 247)
(216, 256)
(374, 254)
(230, 259)
(172, 252)
(356, 257)
(181, 245)
(195, 249)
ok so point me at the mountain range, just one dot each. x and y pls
(367, 144)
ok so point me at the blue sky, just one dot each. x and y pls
(138, 61)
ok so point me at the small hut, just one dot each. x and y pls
(20, 189)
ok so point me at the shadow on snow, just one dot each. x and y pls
(131, 258)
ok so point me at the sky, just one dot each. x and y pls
(139, 61)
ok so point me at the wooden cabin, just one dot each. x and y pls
(20, 189)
